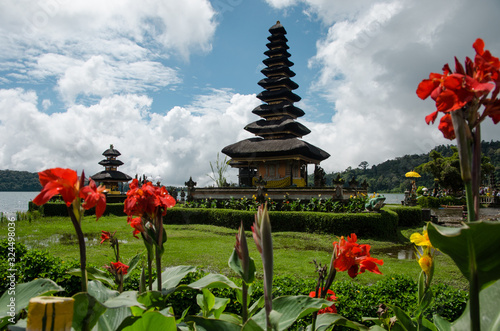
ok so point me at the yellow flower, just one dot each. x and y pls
(421, 239)
(425, 263)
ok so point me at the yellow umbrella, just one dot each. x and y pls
(412, 174)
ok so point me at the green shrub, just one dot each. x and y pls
(58, 208)
(372, 225)
(428, 202)
(41, 264)
(408, 216)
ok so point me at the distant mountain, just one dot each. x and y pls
(389, 176)
(11, 180)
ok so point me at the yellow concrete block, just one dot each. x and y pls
(50, 313)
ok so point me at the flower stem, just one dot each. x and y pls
(81, 244)
(244, 299)
(474, 310)
(158, 268)
(471, 213)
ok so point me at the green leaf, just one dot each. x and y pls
(484, 238)
(235, 264)
(256, 306)
(124, 299)
(25, 291)
(86, 311)
(173, 275)
(134, 261)
(213, 281)
(291, 308)
(152, 299)
(219, 306)
(489, 300)
(152, 321)
(403, 319)
(251, 325)
(203, 323)
(112, 318)
(325, 321)
(206, 301)
(101, 292)
(93, 274)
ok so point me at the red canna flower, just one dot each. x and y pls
(105, 235)
(57, 181)
(354, 258)
(136, 223)
(66, 183)
(145, 199)
(94, 197)
(119, 268)
(469, 85)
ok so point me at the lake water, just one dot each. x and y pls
(10, 202)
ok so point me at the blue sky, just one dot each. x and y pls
(170, 83)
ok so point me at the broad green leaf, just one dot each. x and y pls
(213, 281)
(206, 301)
(291, 308)
(208, 324)
(124, 299)
(325, 321)
(152, 321)
(25, 291)
(403, 318)
(256, 306)
(235, 264)
(484, 237)
(152, 299)
(94, 274)
(112, 318)
(489, 300)
(134, 261)
(86, 311)
(101, 292)
(219, 306)
(251, 325)
(173, 275)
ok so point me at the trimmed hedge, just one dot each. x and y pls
(408, 216)
(59, 209)
(373, 225)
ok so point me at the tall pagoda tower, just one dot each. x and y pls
(276, 154)
(111, 176)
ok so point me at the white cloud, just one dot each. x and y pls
(97, 48)
(174, 146)
(370, 63)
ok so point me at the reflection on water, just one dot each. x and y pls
(91, 239)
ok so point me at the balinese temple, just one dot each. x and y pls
(110, 176)
(277, 154)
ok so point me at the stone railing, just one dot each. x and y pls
(336, 192)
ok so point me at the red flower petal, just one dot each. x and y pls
(57, 181)
(446, 127)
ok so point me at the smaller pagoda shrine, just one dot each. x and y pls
(110, 176)
(277, 155)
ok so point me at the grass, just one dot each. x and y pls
(209, 248)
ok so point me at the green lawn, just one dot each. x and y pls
(210, 247)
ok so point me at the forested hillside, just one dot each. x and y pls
(389, 176)
(11, 180)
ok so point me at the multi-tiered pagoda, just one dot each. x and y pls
(276, 154)
(110, 176)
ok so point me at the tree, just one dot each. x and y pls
(219, 173)
(363, 165)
